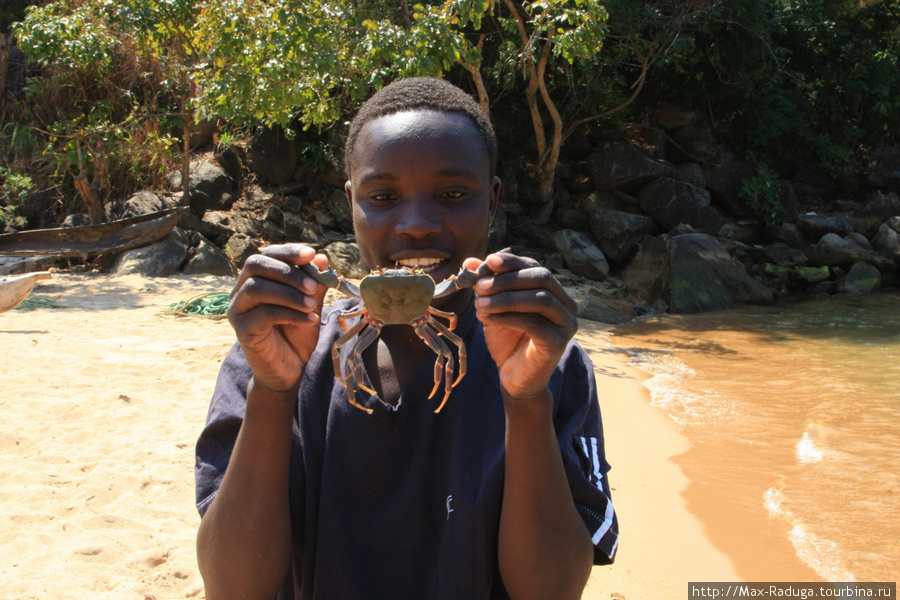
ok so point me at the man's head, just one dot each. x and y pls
(421, 182)
(426, 93)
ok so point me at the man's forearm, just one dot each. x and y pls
(244, 541)
(544, 547)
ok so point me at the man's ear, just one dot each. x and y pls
(348, 191)
(494, 200)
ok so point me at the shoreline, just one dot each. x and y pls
(663, 544)
(103, 402)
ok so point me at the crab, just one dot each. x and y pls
(398, 296)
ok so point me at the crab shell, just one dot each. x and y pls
(397, 296)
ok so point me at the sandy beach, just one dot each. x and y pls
(102, 403)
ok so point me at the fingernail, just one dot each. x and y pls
(481, 303)
(310, 284)
(309, 301)
(484, 284)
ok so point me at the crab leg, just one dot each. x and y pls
(354, 361)
(455, 339)
(336, 349)
(445, 358)
(451, 317)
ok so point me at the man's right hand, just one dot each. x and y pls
(274, 310)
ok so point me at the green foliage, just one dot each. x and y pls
(762, 193)
(14, 190)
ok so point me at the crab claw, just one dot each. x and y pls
(466, 278)
(330, 279)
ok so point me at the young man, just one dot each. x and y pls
(502, 494)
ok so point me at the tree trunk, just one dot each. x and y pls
(86, 190)
(6, 40)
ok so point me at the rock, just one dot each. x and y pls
(345, 260)
(76, 220)
(572, 218)
(813, 181)
(625, 167)
(724, 182)
(834, 251)
(603, 310)
(582, 256)
(299, 231)
(672, 117)
(212, 226)
(160, 259)
(339, 208)
(239, 248)
(202, 133)
(805, 277)
(619, 233)
(671, 202)
(885, 171)
(887, 240)
(694, 143)
(15, 265)
(787, 233)
(862, 278)
(208, 258)
(142, 203)
(691, 273)
(210, 187)
(880, 207)
(273, 157)
(815, 225)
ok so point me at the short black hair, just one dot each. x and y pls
(425, 93)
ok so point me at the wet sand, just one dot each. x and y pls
(102, 403)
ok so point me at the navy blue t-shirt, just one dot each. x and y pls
(405, 503)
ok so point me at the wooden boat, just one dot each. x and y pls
(15, 288)
(114, 236)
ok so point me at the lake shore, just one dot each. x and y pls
(102, 405)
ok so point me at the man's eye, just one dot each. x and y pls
(382, 197)
(453, 195)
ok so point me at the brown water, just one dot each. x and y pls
(793, 413)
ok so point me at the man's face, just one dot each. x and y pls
(421, 191)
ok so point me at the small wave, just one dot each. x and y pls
(807, 452)
(670, 390)
(822, 555)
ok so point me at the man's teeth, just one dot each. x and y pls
(419, 263)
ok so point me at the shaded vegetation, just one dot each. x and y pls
(114, 86)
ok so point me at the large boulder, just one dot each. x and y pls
(206, 257)
(887, 240)
(345, 260)
(303, 232)
(691, 273)
(815, 225)
(273, 157)
(159, 259)
(724, 180)
(862, 278)
(835, 251)
(672, 202)
(619, 233)
(879, 208)
(239, 248)
(885, 171)
(694, 142)
(626, 167)
(143, 203)
(582, 256)
(209, 186)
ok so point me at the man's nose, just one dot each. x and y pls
(420, 219)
